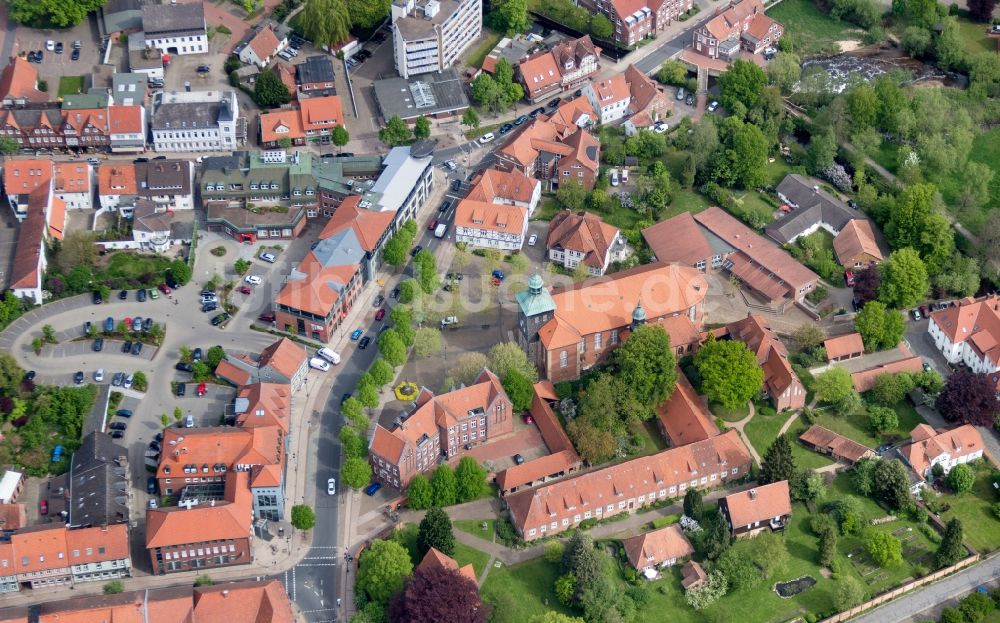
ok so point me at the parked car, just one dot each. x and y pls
(217, 320)
(129, 380)
(331, 486)
(99, 375)
(680, 94)
(97, 298)
(59, 47)
(183, 367)
(916, 314)
(356, 334)
(373, 488)
(117, 434)
(122, 295)
(203, 69)
(456, 185)
(505, 128)
(498, 274)
(690, 99)
(268, 257)
(109, 324)
(137, 323)
(78, 377)
(29, 375)
(520, 119)
(415, 250)
(317, 363)
(713, 105)
(43, 507)
(849, 278)
(532, 239)
(147, 324)
(449, 321)
(202, 389)
(209, 307)
(444, 206)
(534, 113)
(151, 485)
(244, 290)
(153, 294)
(136, 348)
(140, 295)
(180, 389)
(432, 225)
(518, 459)
(394, 294)
(118, 426)
(165, 288)
(661, 127)
(365, 341)
(330, 355)
(380, 314)
(98, 344)
(125, 413)
(118, 379)
(253, 280)
(188, 421)
(266, 317)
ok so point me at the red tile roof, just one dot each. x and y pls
(770, 352)
(970, 318)
(126, 120)
(319, 289)
(548, 424)
(678, 239)
(19, 80)
(434, 559)
(955, 443)
(284, 356)
(265, 43)
(685, 416)
(49, 546)
(584, 233)
(258, 602)
(368, 226)
(268, 404)
(25, 272)
(494, 185)
(760, 504)
(835, 444)
(539, 72)
(229, 372)
(611, 90)
(865, 379)
(225, 446)
(651, 549)
(229, 519)
(843, 345)
(116, 179)
(519, 475)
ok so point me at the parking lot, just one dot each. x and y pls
(363, 76)
(53, 65)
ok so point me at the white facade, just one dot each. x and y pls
(570, 259)
(185, 127)
(249, 56)
(962, 352)
(427, 40)
(192, 44)
(610, 111)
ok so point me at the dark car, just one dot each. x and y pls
(39, 56)
(109, 324)
(140, 295)
(364, 54)
(456, 184)
(151, 485)
(365, 341)
(147, 324)
(59, 47)
(181, 388)
(578, 93)
(344, 398)
(97, 298)
(378, 301)
(379, 315)
(31, 56)
(118, 426)
(216, 321)
(127, 347)
(520, 119)
(203, 69)
(554, 102)
(444, 206)
(117, 434)
(126, 413)
(416, 249)
(196, 354)
(373, 488)
(519, 459)
(505, 128)
(74, 55)
(29, 375)
(209, 307)
(184, 367)
(137, 323)
(136, 348)
(78, 377)
(690, 99)
(123, 295)
(394, 294)
(86, 327)
(98, 344)
(266, 317)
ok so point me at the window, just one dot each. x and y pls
(597, 341)
(614, 336)
(563, 359)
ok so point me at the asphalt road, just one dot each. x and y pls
(671, 47)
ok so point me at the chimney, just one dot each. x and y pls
(753, 494)
(225, 593)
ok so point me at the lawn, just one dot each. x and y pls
(70, 85)
(982, 530)
(464, 555)
(753, 202)
(762, 430)
(811, 29)
(490, 41)
(986, 149)
(474, 527)
(729, 415)
(682, 200)
(133, 266)
(973, 36)
(652, 438)
(855, 426)
(522, 591)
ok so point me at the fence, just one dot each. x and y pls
(902, 590)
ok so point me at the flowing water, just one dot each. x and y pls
(871, 62)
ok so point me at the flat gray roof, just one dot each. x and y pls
(396, 96)
(401, 174)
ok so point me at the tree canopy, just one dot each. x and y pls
(778, 463)
(729, 372)
(968, 398)
(325, 22)
(880, 328)
(435, 594)
(646, 359)
(436, 531)
(269, 90)
(395, 132)
(904, 279)
(382, 570)
(741, 85)
(51, 13)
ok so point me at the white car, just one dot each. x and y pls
(712, 106)
(532, 240)
(660, 128)
(317, 363)
(331, 486)
(450, 164)
(253, 280)
(99, 375)
(209, 298)
(448, 321)
(151, 504)
(268, 257)
(50, 45)
(330, 355)
(486, 138)
(128, 381)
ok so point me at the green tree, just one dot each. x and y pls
(807, 486)
(673, 72)
(422, 127)
(880, 328)
(693, 503)
(9, 146)
(426, 265)
(729, 372)
(833, 385)
(325, 22)
(339, 135)
(961, 478)
(937, 244)
(78, 249)
(601, 27)
(391, 347)
(747, 154)
(884, 548)
(565, 588)
(204, 580)
(427, 342)
(716, 537)
(367, 391)
(891, 484)
(303, 517)
(419, 495)
(466, 369)
(849, 593)
(356, 472)
(646, 359)
(50, 13)
(951, 549)
(241, 266)
(571, 196)
(395, 251)
(383, 569)
(976, 607)
(353, 411)
(741, 85)
(784, 70)
(395, 132)
(366, 14)
(381, 372)
(470, 118)
(470, 479)
(778, 463)
(828, 546)
(891, 389)
(739, 569)
(269, 90)
(863, 105)
(436, 531)
(770, 553)
(882, 419)
(180, 271)
(114, 587)
(948, 47)
(444, 486)
(822, 151)
(904, 279)
(509, 16)
(402, 320)
(518, 389)
(508, 356)
(353, 443)
(582, 561)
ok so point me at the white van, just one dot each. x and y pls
(330, 355)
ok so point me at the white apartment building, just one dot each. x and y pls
(968, 332)
(430, 35)
(175, 28)
(496, 211)
(196, 121)
(610, 97)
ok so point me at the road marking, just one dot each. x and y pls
(294, 585)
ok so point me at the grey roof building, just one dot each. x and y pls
(128, 89)
(813, 208)
(173, 20)
(98, 483)
(340, 175)
(315, 76)
(123, 15)
(436, 94)
(100, 98)
(196, 121)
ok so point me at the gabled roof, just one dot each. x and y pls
(865, 379)
(584, 233)
(368, 225)
(25, 272)
(321, 112)
(837, 347)
(265, 43)
(611, 90)
(760, 504)
(651, 549)
(678, 239)
(54, 546)
(812, 205)
(837, 445)
(116, 179)
(968, 317)
(729, 22)
(494, 186)
(540, 71)
(644, 90)
(434, 559)
(685, 416)
(585, 150)
(284, 356)
(126, 120)
(280, 124)
(258, 602)
(924, 448)
(98, 483)
(218, 450)
(855, 239)
(316, 68)
(72, 177)
(19, 80)
(229, 519)
(770, 352)
(263, 404)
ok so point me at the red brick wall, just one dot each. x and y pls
(242, 555)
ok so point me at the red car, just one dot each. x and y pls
(433, 225)
(165, 288)
(43, 507)
(244, 290)
(202, 389)
(266, 317)
(849, 278)
(380, 314)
